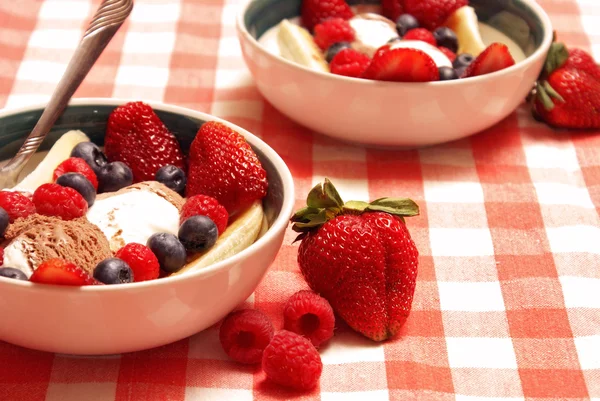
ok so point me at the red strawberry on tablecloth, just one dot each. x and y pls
(137, 137)
(360, 257)
(567, 94)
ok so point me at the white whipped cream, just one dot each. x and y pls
(439, 58)
(133, 216)
(15, 255)
(371, 31)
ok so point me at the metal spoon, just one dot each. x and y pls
(110, 16)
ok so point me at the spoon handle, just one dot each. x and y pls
(110, 16)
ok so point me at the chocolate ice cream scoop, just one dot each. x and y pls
(35, 239)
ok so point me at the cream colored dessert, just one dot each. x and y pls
(34, 239)
(439, 58)
(134, 213)
(371, 32)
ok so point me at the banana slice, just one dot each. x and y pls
(239, 235)
(296, 44)
(59, 152)
(464, 22)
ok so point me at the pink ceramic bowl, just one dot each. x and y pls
(131, 317)
(395, 114)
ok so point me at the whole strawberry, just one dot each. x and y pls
(568, 92)
(316, 11)
(223, 165)
(360, 257)
(137, 137)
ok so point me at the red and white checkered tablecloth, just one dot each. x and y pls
(507, 305)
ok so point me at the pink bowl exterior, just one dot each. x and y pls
(390, 113)
(116, 319)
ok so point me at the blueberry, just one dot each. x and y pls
(446, 37)
(4, 220)
(11, 272)
(460, 71)
(169, 251)
(447, 74)
(114, 176)
(92, 155)
(113, 271)
(198, 233)
(80, 184)
(173, 177)
(405, 23)
(463, 60)
(335, 49)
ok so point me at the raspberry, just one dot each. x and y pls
(244, 335)
(420, 34)
(142, 261)
(332, 31)
(56, 200)
(292, 361)
(1, 256)
(310, 315)
(76, 165)
(449, 53)
(350, 63)
(16, 205)
(206, 206)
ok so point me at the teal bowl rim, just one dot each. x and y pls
(541, 51)
(280, 223)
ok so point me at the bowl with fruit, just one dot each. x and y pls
(134, 226)
(395, 73)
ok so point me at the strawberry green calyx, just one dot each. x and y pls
(324, 203)
(556, 58)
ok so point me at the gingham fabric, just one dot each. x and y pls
(507, 305)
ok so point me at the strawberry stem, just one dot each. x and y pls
(544, 97)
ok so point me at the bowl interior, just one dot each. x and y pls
(515, 18)
(92, 119)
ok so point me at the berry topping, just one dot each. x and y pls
(350, 63)
(405, 23)
(391, 9)
(335, 49)
(198, 233)
(61, 272)
(244, 335)
(11, 272)
(92, 155)
(432, 13)
(446, 37)
(316, 11)
(76, 165)
(447, 73)
(224, 166)
(16, 205)
(1, 256)
(114, 176)
(113, 271)
(463, 60)
(137, 137)
(80, 184)
(169, 251)
(495, 58)
(421, 34)
(448, 53)
(310, 315)
(173, 177)
(402, 65)
(292, 361)
(332, 31)
(205, 206)
(141, 260)
(4, 220)
(56, 200)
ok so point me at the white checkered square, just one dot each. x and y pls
(471, 296)
(461, 242)
(581, 292)
(574, 239)
(351, 348)
(453, 192)
(495, 353)
(588, 349)
(216, 394)
(65, 10)
(562, 194)
(376, 395)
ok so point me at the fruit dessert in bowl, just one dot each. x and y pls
(136, 225)
(400, 73)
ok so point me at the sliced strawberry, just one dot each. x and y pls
(448, 53)
(421, 34)
(61, 272)
(495, 58)
(402, 65)
(316, 11)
